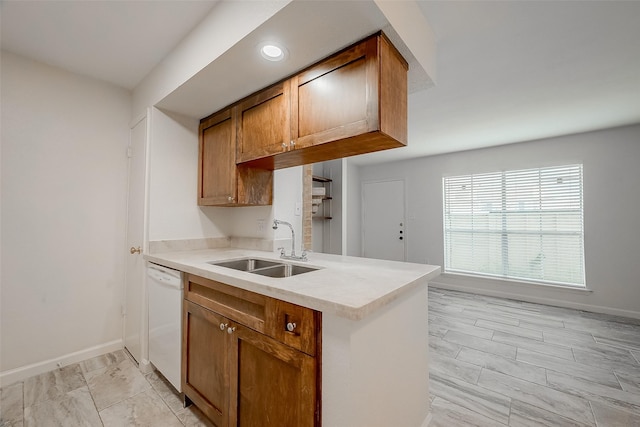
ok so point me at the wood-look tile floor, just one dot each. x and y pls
(499, 362)
(107, 390)
(493, 362)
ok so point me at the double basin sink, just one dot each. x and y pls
(264, 267)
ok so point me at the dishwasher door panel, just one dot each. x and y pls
(165, 322)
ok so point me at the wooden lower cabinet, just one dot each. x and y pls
(205, 368)
(240, 377)
(271, 384)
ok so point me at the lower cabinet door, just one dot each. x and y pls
(205, 376)
(271, 384)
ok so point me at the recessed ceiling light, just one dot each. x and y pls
(273, 52)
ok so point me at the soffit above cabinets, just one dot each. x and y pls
(309, 30)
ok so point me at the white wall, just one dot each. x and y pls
(333, 240)
(352, 213)
(226, 24)
(287, 192)
(327, 234)
(173, 177)
(64, 173)
(173, 183)
(611, 206)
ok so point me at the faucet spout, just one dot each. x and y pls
(303, 257)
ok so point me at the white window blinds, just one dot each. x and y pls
(521, 224)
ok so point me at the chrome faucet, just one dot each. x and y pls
(283, 254)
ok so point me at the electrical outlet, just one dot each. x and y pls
(260, 225)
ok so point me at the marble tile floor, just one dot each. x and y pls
(107, 390)
(493, 362)
(499, 362)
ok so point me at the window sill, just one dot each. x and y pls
(457, 277)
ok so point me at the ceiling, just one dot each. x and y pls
(116, 41)
(508, 71)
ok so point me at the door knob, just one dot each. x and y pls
(135, 250)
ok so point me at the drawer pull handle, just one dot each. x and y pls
(231, 330)
(223, 326)
(291, 327)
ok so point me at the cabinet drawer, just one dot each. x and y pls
(304, 322)
(245, 307)
(269, 316)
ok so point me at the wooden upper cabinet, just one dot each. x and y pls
(264, 125)
(220, 181)
(217, 182)
(337, 98)
(353, 102)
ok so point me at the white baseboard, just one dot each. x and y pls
(547, 301)
(20, 374)
(145, 366)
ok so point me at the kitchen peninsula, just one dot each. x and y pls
(373, 349)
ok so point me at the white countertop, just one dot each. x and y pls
(349, 287)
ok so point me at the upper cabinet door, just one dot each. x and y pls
(220, 181)
(336, 98)
(263, 127)
(353, 102)
(217, 184)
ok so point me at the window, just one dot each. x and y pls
(521, 224)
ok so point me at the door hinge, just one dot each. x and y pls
(129, 152)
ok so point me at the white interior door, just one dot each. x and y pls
(134, 283)
(383, 223)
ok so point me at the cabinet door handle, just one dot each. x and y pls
(223, 326)
(291, 327)
(231, 330)
(231, 199)
(292, 144)
(284, 146)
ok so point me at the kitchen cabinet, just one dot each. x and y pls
(205, 368)
(264, 123)
(220, 181)
(350, 103)
(249, 359)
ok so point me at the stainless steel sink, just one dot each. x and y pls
(264, 267)
(246, 264)
(284, 270)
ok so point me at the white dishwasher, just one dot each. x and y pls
(165, 321)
